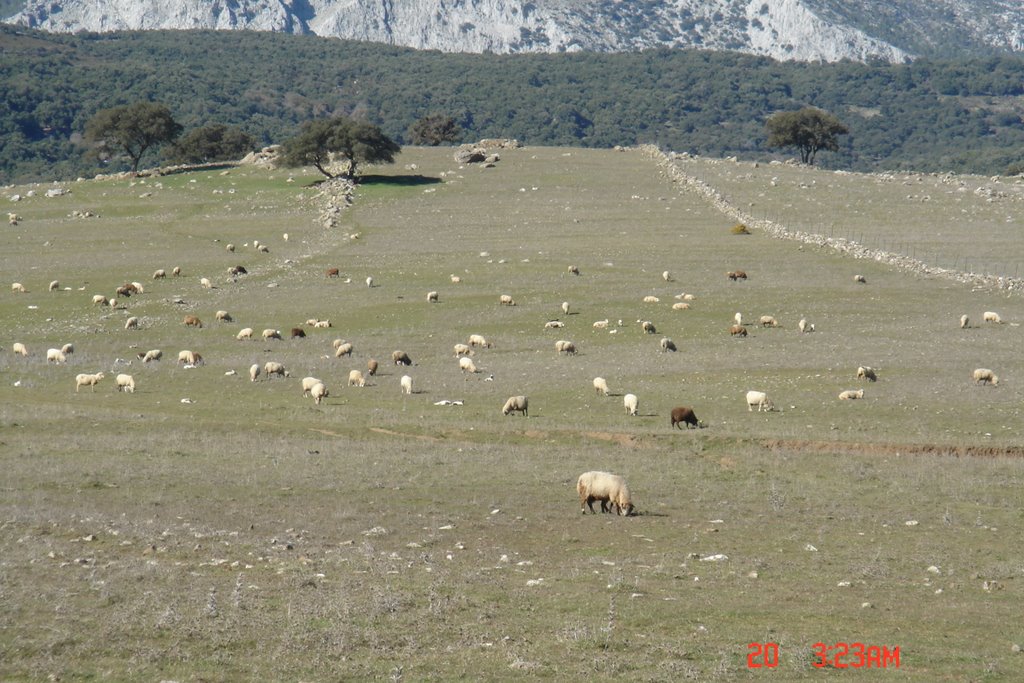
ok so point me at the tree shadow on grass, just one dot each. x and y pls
(397, 180)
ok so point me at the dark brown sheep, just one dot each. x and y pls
(738, 330)
(298, 332)
(735, 275)
(371, 366)
(685, 414)
(333, 272)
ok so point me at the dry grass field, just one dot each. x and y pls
(207, 527)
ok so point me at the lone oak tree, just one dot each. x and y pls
(354, 142)
(132, 129)
(808, 129)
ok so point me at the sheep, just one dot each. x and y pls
(13, 218)
(321, 324)
(235, 271)
(668, 345)
(566, 347)
(176, 271)
(307, 383)
(124, 290)
(685, 297)
(648, 327)
(565, 308)
(805, 326)
(19, 349)
(684, 414)
(55, 356)
(860, 279)
(574, 270)
(400, 358)
(600, 324)
(738, 318)
(759, 399)
(125, 383)
(298, 332)
(666, 276)
(54, 285)
(356, 379)
(205, 282)
(466, 364)
(131, 323)
(189, 357)
(333, 272)
(867, 372)
(319, 392)
(850, 395)
(610, 489)
(768, 321)
(343, 349)
(432, 297)
(601, 386)
(631, 403)
(554, 325)
(100, 300)
(991, 317)
(192, 321)
(87, 380)
(18, 288)
(680, 306)
(271, 333)
(159, 274)
(462, 350)
(736, 275)
(254, 372)
(244, 333)
(229, 247)
(271, 368)
(985, 376)
(651, 299)
(371, 367)
(478, 340)
(224, 317)
(67, 349)
(151, 355)
(406, 384)
(263, 249)
(506, 300)
(519, 404)
(738, 331)
(455, 278)
(965, 322)
(369, 281)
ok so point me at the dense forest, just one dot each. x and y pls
(963, 116)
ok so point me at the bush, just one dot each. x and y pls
(740, 229)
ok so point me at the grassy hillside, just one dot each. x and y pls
(250, 533)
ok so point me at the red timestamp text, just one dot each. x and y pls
(838, 655)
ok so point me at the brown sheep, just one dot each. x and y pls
(738, 330)
(400, 358)
(333, 272)
(192, 321)
(683, 414)
(298, 332)
(735, 275)
(371, 367)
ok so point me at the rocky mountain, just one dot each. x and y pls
(801, 30)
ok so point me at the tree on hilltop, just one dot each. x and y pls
(324, 141)
(809, 130)
(132, 129)
(216, 142)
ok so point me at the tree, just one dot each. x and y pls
(215, 142)
(132, 129)
(809, 130)
(353, 142)
(433, 130)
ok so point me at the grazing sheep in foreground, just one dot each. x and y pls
(55, 356)
(565, 308)
(520, 404)
(478, 340)
(19, 349)
(100, 300)
(68, 349)
(356, 379)
(648, 327)
(601, 386)
(680, 306)
(343, 349)
(610, 489)
(554, 325)
(736, 275)
(400, 358)
(759, 399)
(307, 383)
(125, 383)
(805, 326)
(666, 276)
(600, 324)
(684, 414)
(131, 323)
(205, 282)
(466, 364)
(321, 324)
(432, 297)
(271, 333)
(867, 372)
(189, 357)
(965, 322)
(566, 347)
(406, 384)
(159, 274)
(371, 367)
(192, 321)
(667, 344)
(506, 300)
(271, 368)
(223, 316)
(985, 376)
(254, 372)
(151, 355)
(768, 321)
(244, 333)
(651, 299)
(991, 317)
(18, 288)
(631, 403)
(574, 270)
(298, 332)
(369, 281)
(738, 331)
(319, 392)
(54, 285)
(850, 395)
(860, 279)
(176, 271)
(462, 350)
(87, 380)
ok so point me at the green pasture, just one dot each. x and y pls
(208, 527)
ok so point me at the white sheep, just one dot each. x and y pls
(229, 247)
(601, 386)
(466, 364)
(189, 357)
(478, 340)
(271, 333)
(759, 399)
(666, 276)
(151, 355)
(19, 349)
(406, 383)
(369, 281)
(565, 307)
(13, 218)
(738, 318)
(271, 368)
(648, 327)
(100, 300)
(860, 279)
(520, 404)
(67, 349)
(506, 300)
(867, 372)
(319, 392)
(850, 395)
(356, 379)
(680, 306)
(131, 323)
(985, 376)
(432, 297)
(254, 372)
(87, 380)
(462, 350)
(455, 278)
(205, 282)
(125, 383)
(54, 285)
(631, 403)
(262, 248)
(244, 333)
(321, 324)
(610, 489)
(651, 299)
(223, 316)
(600, 324)
(768, 321)
(991, 317)
(565, 346)
(138, 288)
(55, 356)
(965, 322)
(343, 349)
(159, 274)
(18, 288)
(667, 344)
(307, 383)
(176, 271)
(805, 326)
(554, 325)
